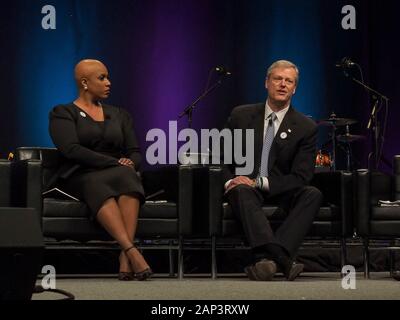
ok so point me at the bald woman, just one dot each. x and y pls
(102, 157)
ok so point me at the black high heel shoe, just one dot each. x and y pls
(144, 274)
(126, 276)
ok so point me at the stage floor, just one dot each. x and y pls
(310, 286)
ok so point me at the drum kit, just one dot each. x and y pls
(328, 160)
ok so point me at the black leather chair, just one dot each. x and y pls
(334, 220)
(373, 221)
(21, 244)
(164, 220)
(5, 178)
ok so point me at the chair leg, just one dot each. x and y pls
(343, 251)
(391, 257)
(366, 258)
(213, 257)
(171, 259)
(391, 262)
(343, 255)
(180, 258)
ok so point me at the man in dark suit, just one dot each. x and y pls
(284, 161)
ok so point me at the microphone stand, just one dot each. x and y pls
(377, 98)
(189, 110)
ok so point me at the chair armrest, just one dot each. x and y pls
(36, 153)
(185, 200)
(337, 189)
(26, 185)
(5, 187)
(173, 184)
(216, 193)
(372, 186)
(363, 191)
(396, 168)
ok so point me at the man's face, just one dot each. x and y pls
(281, 84)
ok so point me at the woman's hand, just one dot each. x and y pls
(126, 162)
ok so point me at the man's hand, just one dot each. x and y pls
(126, 162)
(241, 180)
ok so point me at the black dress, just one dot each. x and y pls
(91, 149)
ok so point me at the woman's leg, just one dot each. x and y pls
(129, 208)
(110, 217)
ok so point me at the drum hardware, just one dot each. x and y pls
(335, 122)
(323, 160)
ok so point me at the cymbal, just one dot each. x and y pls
(347, 138)
(338, 122)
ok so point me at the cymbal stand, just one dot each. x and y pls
(333, 115)
(374, 125)
(348, 150)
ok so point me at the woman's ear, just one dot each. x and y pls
(84, 84)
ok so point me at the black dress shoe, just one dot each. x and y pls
(263, 270)
(396, 275)
(251, 273)
(294, 271)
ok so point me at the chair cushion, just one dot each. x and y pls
(384, 228)
(164, 210)
(66, 219)
(319, 229)
(76, 229)
(74, 209)
(329, 213)
(273, 213)
(64, 208)
(385, 213)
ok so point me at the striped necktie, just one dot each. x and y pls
(268, 139)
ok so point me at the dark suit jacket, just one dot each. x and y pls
(64, 124)
(291, 159)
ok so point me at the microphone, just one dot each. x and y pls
(345, 63)
(223, 71)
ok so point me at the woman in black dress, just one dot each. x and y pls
(102, 154)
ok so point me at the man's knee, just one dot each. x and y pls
(242, 190)
(312, 193)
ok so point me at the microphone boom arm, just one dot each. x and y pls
(370, 89)
(373, 123)
(189, 110)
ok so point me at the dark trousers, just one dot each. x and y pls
(301, 207)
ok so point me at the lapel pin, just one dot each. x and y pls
(283, 135)
(83, 114)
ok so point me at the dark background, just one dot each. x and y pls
(159, 53)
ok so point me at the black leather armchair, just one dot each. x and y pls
(373, 221)
(334, 221)
(5, 178)
(163, 220)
